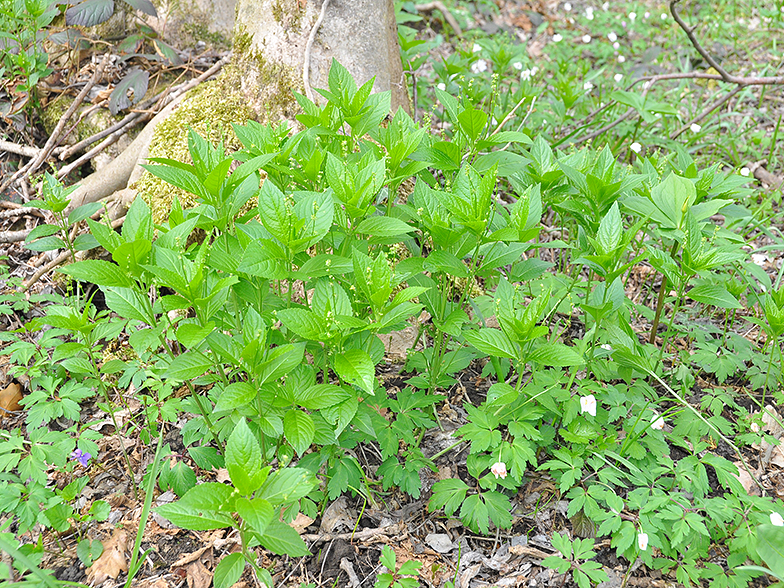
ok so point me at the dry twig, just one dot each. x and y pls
(438, 5)
(34, 164)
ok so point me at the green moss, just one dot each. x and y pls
(210, 111)
(287, 16)
(86, 127)
(276, 82)
(199, 31)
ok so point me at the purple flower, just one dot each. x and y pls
(80, 456)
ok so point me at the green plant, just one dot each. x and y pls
(404, 576)
(576, 558)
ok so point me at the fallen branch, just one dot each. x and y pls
(437, 5)
(706, 112)
(362, 535)
(118, 173)
(727, 77)
(14, 236)
(51, 143)
(23, 150)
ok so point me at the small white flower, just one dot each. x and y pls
(586, 39)
(695, 128)
(776, 519)
(476, 48)
(526, 74)
(606, 347)
(664, 16)
(636, 147)
(588, 404)
(441, 86)
(618, 77)
(657, 422)
(498, 469)
(589, 13)
(606, 6)
(518, 65)
(632, 16)
(612, 36)
(479, 66)
(557, 38)
(616, 45)
(646, 85)
(642, 541)
(534, 70)
(621, 59)
(647, 14)
(745, 172)
(568, 6)
(587, 86)
(754, 428)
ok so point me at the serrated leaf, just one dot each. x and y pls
(556, 355)
(97, 271)
(299, 430)
(287, 485)
(243, 459)
(188, 365)
(717, 296)
(257, 512)
(355, 367)
(282, 539)
(228, 570)
(187, 517)
(383, 226)
(492, 342)
(235, 395)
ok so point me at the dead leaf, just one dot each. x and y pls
(9, 399)
(336, 515)
(301, 523)
(112, 560)
(747, 481)
(198, 576)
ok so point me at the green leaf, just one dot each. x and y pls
(299, 430)
(229, 570)
(256, 512)
(287, 485)
(303, 322)
(88, 551)
(383, 226)
(243, 459)
(714, 295)
(492, 342)
(472, 122)
(187, 517)
(282, 539)
(84, 211)
(129, 304)
(235, 395)
(556, 355)
(355, 367)
(320, 396)
(770, 547)
(187, 366)
(610, 230)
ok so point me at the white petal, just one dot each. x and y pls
(776, 519)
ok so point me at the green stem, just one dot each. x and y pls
(660, 301)
(136, 562)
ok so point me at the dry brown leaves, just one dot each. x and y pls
(112, 560)
(9, 399)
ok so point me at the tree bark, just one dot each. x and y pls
(271, 37)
